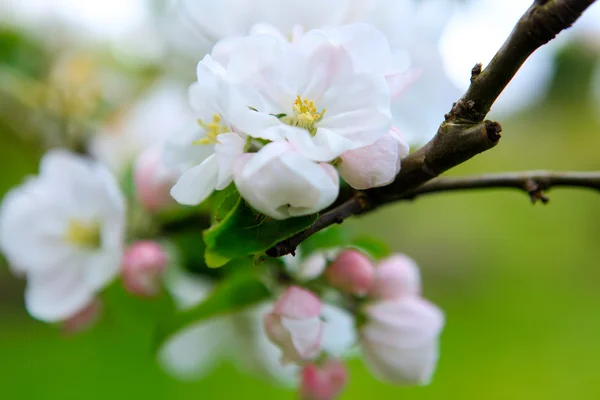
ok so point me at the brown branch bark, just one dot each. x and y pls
(534, 183)
(464, 133)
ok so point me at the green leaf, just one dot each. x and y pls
(243, 232)
(332, 237)
(242, 290)
(224, 201)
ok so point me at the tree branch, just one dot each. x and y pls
(464, 133)
(534, 183)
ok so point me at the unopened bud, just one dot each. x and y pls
(351, 271)
(143, 265)
(395, 276)
(295, 325)
(323, 382)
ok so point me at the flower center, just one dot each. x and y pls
(305, 115)
(213, 129)
(83, 235)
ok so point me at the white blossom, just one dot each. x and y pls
(310, 94)
(281, 183)
(413, 29)
(63, 230)
(217, 107)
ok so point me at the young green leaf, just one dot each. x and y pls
(243, 232)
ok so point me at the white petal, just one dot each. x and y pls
(358, 108)
(101, 268)
(325, 146)
(374, 165)
(228, 148)
(281, 183)
(197, 183)
(193, 352)
(187, 289)
(179, 151)
(255, 352)
(58, 295)
(399, 340)
(405, 322)
(340, 333)
(402, 366)
(31, 236)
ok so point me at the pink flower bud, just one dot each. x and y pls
(351, 271)
(83, 319)
(295, 325)
(322, 382)
(395, 276)
(399, 341)
(143, 264)
(153, 181)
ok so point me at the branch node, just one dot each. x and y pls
(493, 130)
(476, 71)
(535, 191)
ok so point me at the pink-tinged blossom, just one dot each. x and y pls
(351, 272)
(295, 326)
(395, 276)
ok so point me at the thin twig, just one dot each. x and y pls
(464, 133)
(534, 183)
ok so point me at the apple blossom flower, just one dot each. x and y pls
(143, 264)
(323, 381)
(395, 276)
(351, 272)
(399, 341)
(374, 165)
(63, 230)
(217, 106)
(281, 183)
(413, 29)
(310, 95)
(295, 326)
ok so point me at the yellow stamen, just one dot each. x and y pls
(305, 115)
(84, 235)
(213, 129)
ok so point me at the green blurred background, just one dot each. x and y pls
(519, 283)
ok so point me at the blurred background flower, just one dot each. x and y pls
(516, 283)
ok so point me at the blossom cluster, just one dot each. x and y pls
(287, 119)
(399, 334)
